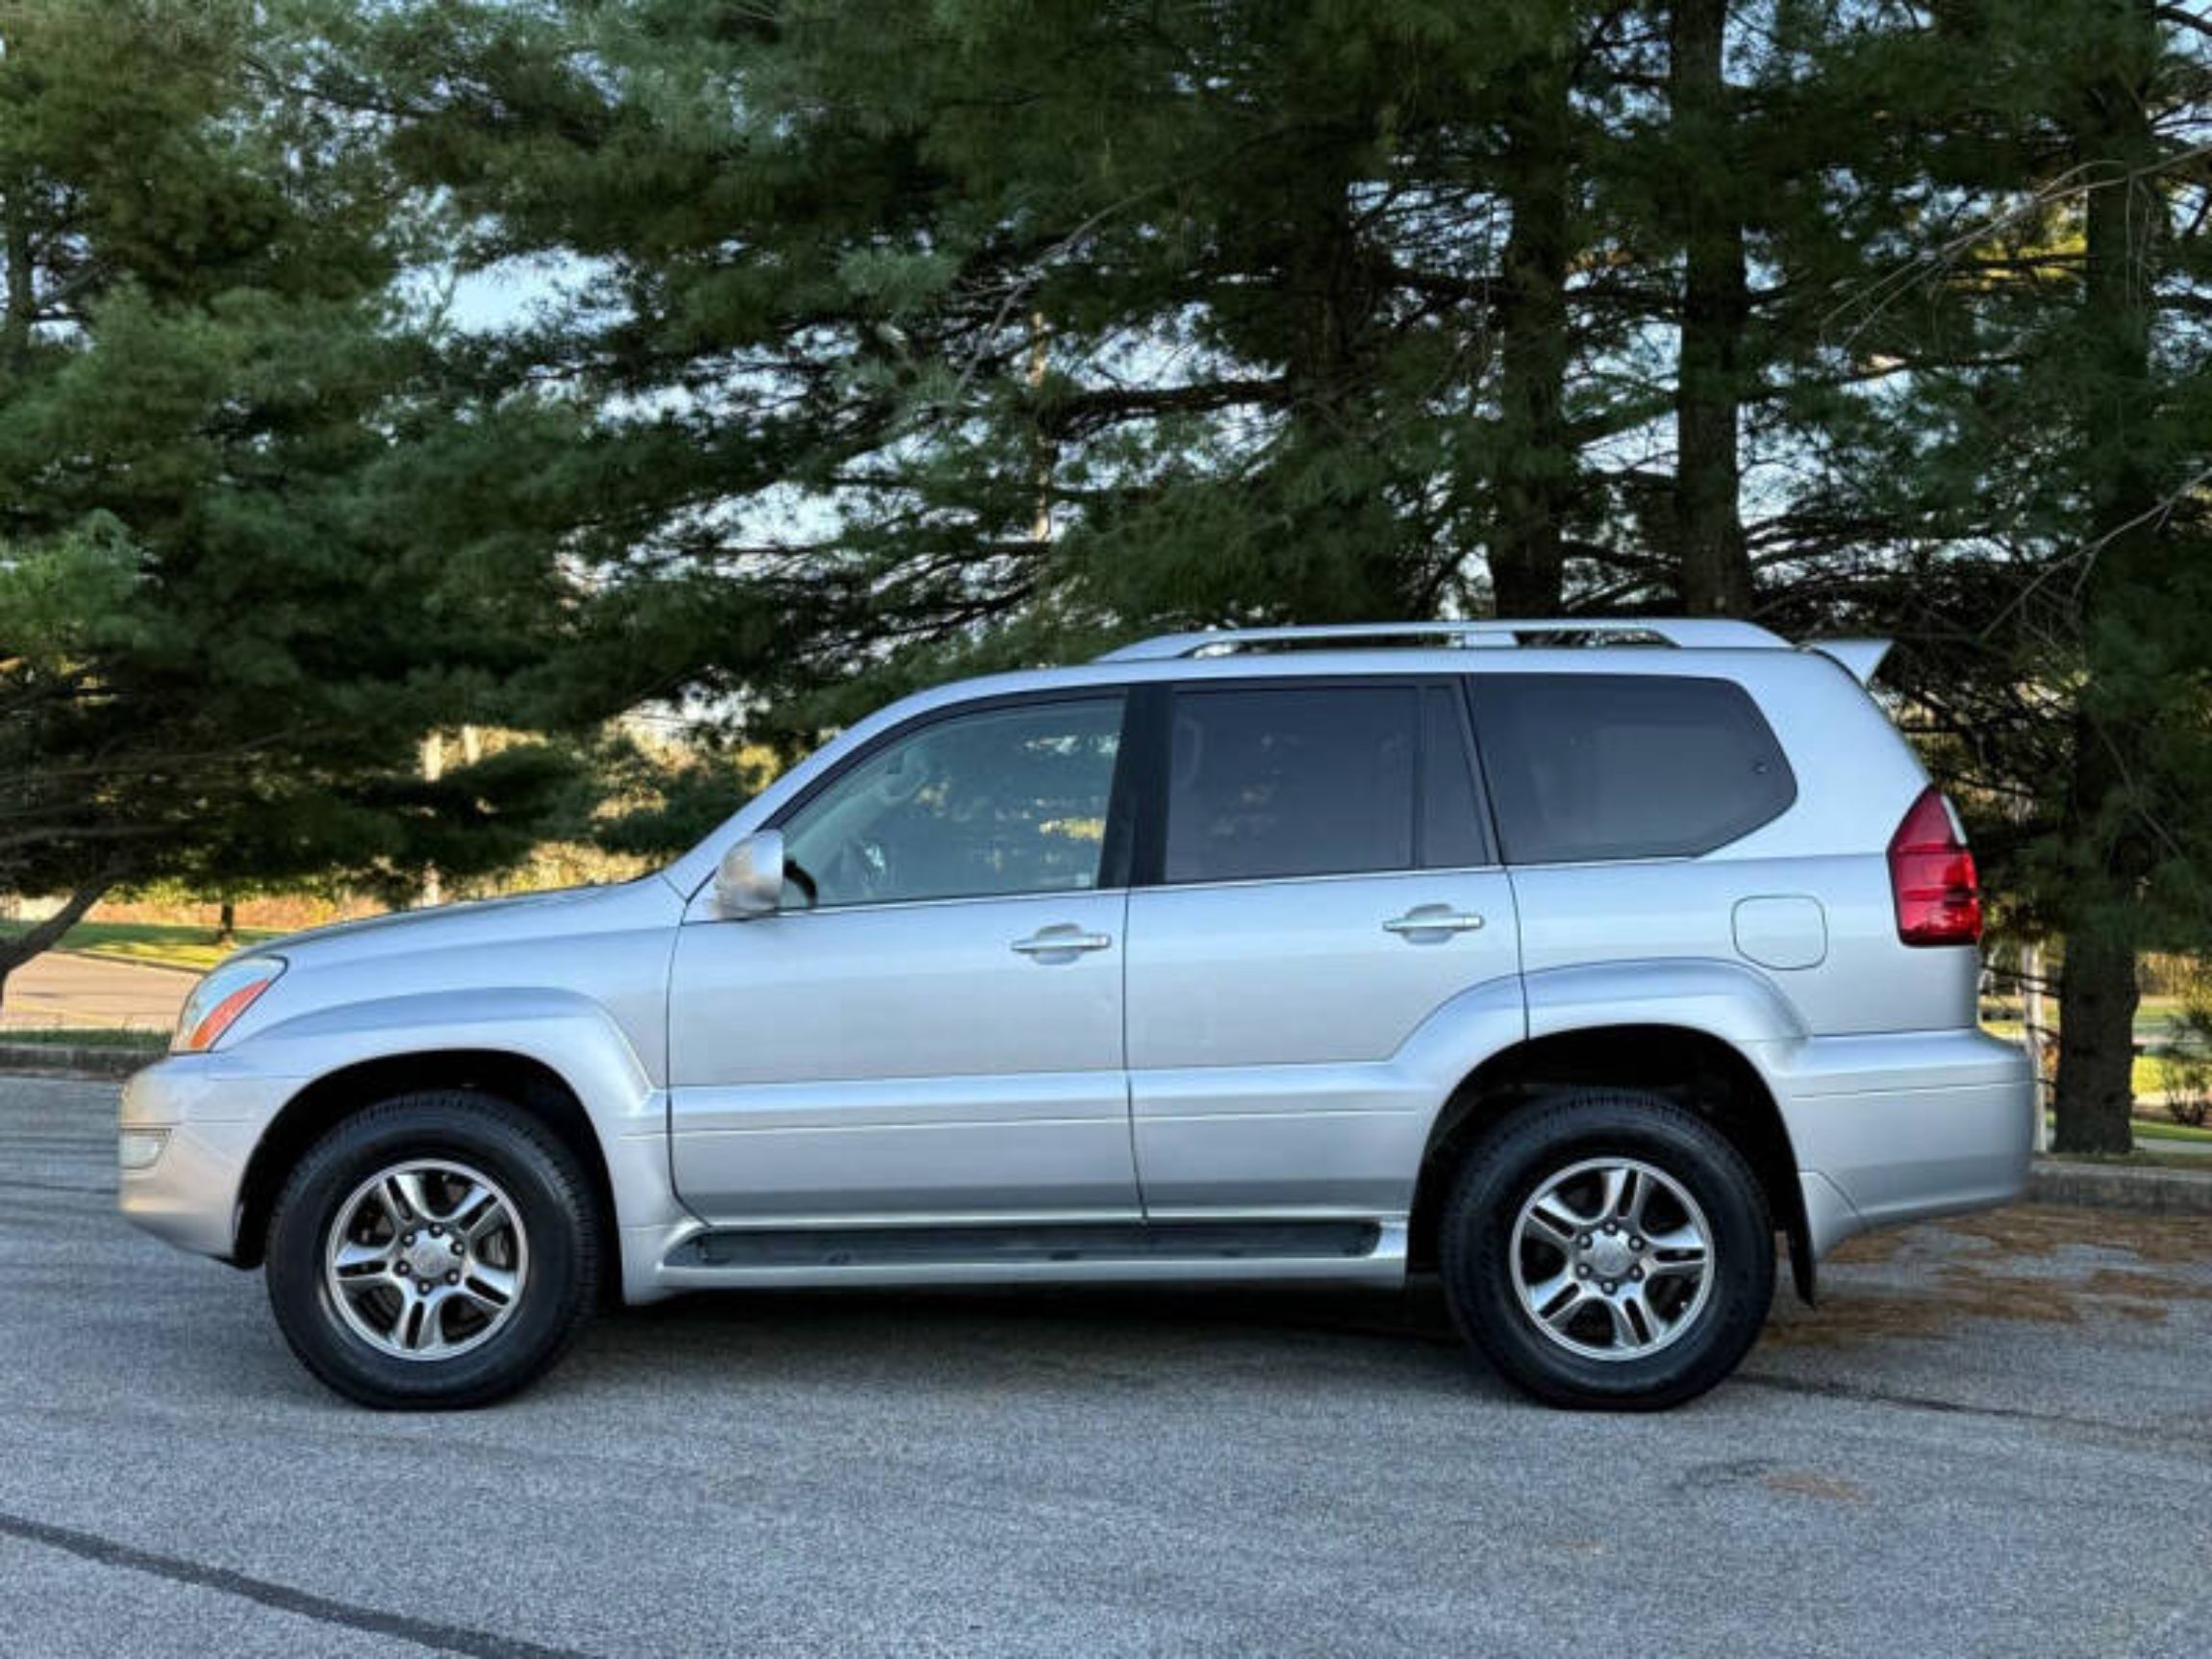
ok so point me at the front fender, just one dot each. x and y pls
(569, 1034)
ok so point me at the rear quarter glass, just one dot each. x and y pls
(1603, 767)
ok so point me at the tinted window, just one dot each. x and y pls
(1451, 836)
(1626, 765)
(1001, 801)
(1291, 781)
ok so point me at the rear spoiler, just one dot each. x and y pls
(1860, 658)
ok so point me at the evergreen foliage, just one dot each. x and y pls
(237, 581)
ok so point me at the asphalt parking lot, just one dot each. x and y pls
(1996, 1438)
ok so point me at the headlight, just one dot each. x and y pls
(217, 1000)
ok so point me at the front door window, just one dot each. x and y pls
(994, 804)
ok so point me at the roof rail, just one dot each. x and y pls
(1687, 632)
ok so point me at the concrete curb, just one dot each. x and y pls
(2143, 1188)
(92, 1062)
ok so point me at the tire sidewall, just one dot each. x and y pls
(540, 1180)
(1508, 1169)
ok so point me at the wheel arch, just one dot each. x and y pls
(1690, 1066)
(520, 1079)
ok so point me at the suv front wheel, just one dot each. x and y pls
(1608, 1248)
(438, 1250)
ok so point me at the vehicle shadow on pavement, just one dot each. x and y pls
(1044, 1336)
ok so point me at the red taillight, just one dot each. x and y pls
(1932, 877)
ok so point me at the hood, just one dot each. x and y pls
(520, 916)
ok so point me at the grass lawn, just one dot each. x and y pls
(86, 1037)
(160, 943)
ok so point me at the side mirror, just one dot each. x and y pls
(750, 878)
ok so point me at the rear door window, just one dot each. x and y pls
(1292, 781)
(1590, 767)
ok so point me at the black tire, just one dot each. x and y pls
(548, 1193)
(1508, 1168)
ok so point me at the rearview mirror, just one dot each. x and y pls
(750, 878)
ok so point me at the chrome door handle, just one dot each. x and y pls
(1434, 918)
(1051, 943)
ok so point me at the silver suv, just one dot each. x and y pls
(1571, 961)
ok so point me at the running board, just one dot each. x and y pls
(1038, 1252)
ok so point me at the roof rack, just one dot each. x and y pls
(1707, 632)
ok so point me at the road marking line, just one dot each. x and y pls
(439, 1638)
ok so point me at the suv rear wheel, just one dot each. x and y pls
(438, 1251)
(1609, 1249)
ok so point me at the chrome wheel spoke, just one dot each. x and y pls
(357, 1261)
(404, 1198)
(418, 1330)
(1625, 1334)
(1563, 1315)
(1552, 1220)
(1614, 1191)
(488, 1287)
(425, 1291)
(487, 1219)
(476, 1207)
(1636, 1191)
(1680, 1251)
(1546, 1298)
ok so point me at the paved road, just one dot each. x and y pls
(61, 988)
(1996, 1438)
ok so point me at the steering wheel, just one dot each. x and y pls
(796, 874)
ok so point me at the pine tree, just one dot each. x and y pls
(235, 586)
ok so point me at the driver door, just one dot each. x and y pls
(930, 1028)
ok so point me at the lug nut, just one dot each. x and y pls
(1635, 1244)
(453, 1278)
(1582, 1273)
(1610, 1229)
(407, 1241)
(1636, 1272)
(1586, 1241)
(437, 1231)
(1609, 1287)
(424, 1287)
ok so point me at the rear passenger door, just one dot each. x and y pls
(1316, 880)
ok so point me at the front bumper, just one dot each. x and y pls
(212, 1113)
(1902, 1126)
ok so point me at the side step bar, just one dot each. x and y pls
(1038, 1252)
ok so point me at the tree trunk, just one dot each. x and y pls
(226, 921)
(1715, 574)
(1537, 473)
(21, 306)
(2097, 1002)
(43, 936)
(2124, 216)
